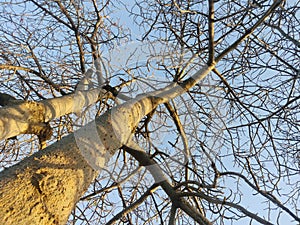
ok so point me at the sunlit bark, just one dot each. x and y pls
(45, 187)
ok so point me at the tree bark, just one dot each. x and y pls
(24, 117)
(43, 188)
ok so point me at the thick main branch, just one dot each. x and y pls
(44, 188)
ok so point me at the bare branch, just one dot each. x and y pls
(211, 31)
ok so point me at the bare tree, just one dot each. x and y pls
(196, 121)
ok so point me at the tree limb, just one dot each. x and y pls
(142, 157)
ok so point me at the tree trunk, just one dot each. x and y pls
(43, 188)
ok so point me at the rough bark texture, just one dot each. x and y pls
(44, 188)
(50, 182)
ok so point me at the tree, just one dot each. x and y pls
(213, 134)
